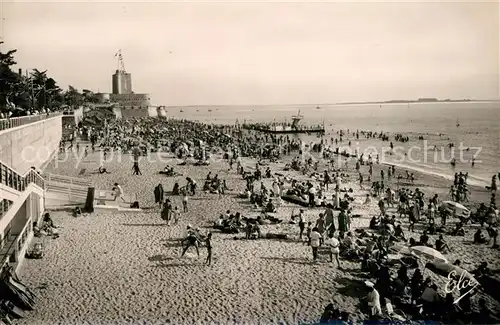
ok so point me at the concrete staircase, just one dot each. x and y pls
(64, 191)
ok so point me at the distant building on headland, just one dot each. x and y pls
(122, 83)
(123, 94)
(122, 102)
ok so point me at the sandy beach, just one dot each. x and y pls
(126, 268)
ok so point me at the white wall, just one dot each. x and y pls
(30, 145)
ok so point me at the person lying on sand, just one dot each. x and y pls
(103, 170)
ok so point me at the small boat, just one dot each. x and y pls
(181, 111)
(209, 110)
(458, 123)
(197, 110)
(317, 107)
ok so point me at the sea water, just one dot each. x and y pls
(478, 130)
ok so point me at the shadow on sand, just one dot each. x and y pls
(159, 258)
(144, 224)
(291, 260)
(191, 263)
(351, 288)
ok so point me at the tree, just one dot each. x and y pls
(89, 96)
(10, 82)
(72, 97)
(36, 91)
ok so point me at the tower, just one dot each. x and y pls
(122, 81)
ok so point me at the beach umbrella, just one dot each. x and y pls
(459, 208)
(401, 249)
(428, 253)
(445, 269)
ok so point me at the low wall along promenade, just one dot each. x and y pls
(30, 144)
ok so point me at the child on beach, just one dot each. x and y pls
(174, 216)
(208, 244)
(308, 232)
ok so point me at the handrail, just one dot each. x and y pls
(66, 179)
(9, 123)
(81, 193)
(12, 179)
(8, 250)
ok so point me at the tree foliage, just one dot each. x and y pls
(20, 94)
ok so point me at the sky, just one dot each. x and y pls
(250, 53)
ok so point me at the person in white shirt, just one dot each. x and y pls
(315, 242)
(334, 245)
(118, 192)
(373, 300)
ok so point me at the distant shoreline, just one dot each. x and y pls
(423, 101)
(387, 102)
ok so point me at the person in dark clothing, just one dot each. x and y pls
(416, 284)
(208, 244)
(48, 220)
(403, 275)
(136, 169)
(191, 240)
(159, 194)
(424, 239)
(441, 245)
(330, 316)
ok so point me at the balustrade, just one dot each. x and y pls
(9, 123)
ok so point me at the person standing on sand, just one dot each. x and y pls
(315, 242)
(342, 221)
(136, 169)
(329, 219)
(302, 223)
(165, 212)
(381, 205)
(334, 245)
(174, 216)
(320, 225)
(208, 244)
(184, 201)
(159, 194)
(191, 240)
(361, 181)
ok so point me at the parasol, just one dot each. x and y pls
(428, 253)
(445, 269)
(459, 208)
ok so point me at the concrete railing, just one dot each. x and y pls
(53, 178)
(12, 179)
(9, 123)
(70, 192)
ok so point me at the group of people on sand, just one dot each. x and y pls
(194, 238)
(328, 234)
